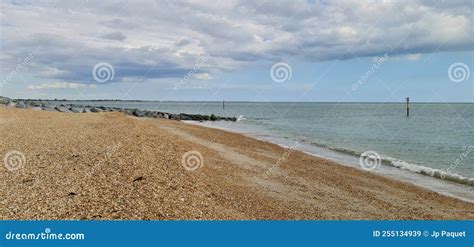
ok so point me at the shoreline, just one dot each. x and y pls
(443, 186)
(112, 166)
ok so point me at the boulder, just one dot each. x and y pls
(149, 114)
(138, 113)
(34, 104)
(36, 108)
(174, 117)
(4, 100)
(62, 108)
(48, 108)
(94, 109)
(198, 117)
(186, 117)
(128, 112)
(21, 104)
(77, 109)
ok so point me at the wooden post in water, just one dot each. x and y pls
(223, 105)
(408, 106)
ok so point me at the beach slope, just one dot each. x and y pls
(112, 166)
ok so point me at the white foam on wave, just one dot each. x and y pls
(425, 170)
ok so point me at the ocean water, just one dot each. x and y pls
(437, 140)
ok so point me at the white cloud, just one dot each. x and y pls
(61, 85)
(202, 76)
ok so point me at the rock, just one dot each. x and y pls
(138, 113)
(36, 108)
(174, 117)
(35, 104)
(48, 108)
(94, 109)
(21, 104)
(128, 112)
(4, 100)
(76, 109)
(186, 117)
(149, 114)
(53, 107)
(198, 117)
(62, 109)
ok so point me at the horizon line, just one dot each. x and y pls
(247, 101)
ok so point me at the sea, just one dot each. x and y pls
(433, 147)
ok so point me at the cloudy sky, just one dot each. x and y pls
(238, 50)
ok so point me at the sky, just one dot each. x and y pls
(311, 51)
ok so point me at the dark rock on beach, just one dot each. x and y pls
(138, 113)
(4, 100)
(54, 106)
(62, 109)
(76, 109)
(21, 104)
(48, 108)
(93, 109)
